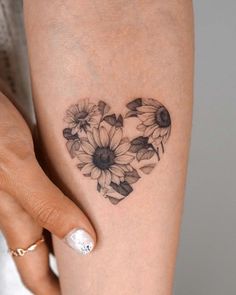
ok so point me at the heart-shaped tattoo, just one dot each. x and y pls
(95, 138)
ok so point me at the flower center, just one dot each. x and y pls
(162, 117)
(80, 116)
(103, 158)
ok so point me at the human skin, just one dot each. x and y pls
(116, 51)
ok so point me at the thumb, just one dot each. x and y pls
(50, 207)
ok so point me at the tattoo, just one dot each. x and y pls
(95, 138)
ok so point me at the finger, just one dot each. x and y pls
(22, 177)
(49, 207)
(21, 231)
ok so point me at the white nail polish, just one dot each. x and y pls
(80, 241)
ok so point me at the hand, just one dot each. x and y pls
(29, 202)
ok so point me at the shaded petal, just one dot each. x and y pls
(96, 136)
(122, 149)
(87, 168)
(124, 159)
(149, 122)
(91, 139)
(149, 130)
(145, 116)
(116, 138)
(104, 137)
(87, 147)
(163, 131)
(85, 158)
(115, 169)
(147, 109)
(156, 133)
(102, 179)
(95, 173)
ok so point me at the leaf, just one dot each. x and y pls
(103, 107)
(110, 119)
(113, 200)
(119, 121)
(134, 104)
(130, 114)
(123, 188)
(138, 143)
(148, 168)
(132, 176)
(145, 154)
(73, 146)
(67, 134)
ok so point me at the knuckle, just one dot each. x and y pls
(15, 143)
(47, 215)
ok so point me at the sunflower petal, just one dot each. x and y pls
(85, 158)
(157, 141)
(145, 116)
(151, 102)
(149, 130)
(116, 138)
(87, 147)
(149, 121)
(147, 109)
(115, 169)
(87, 168)
(115, 179)
(104, 137)
(124, 167)
(122, 149)
(163, 131)
(95, 173)
(108, 177)
(124, 159)
(102, 179)
(112, 131)
(156, 133)
(91, 139)
(96, 137)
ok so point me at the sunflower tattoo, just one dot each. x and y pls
(95, 138)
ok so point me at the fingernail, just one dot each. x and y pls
(80, 241)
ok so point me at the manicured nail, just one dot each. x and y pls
(80, 241)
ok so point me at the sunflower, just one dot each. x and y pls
(82, 115)
(105, 156)
(156, 122)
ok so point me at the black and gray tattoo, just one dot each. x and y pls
(95, 138)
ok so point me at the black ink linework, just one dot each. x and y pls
(95, 138)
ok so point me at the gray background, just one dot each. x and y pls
(207, 257)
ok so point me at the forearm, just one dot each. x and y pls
(116, 52)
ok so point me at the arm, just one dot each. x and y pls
(116, 52)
